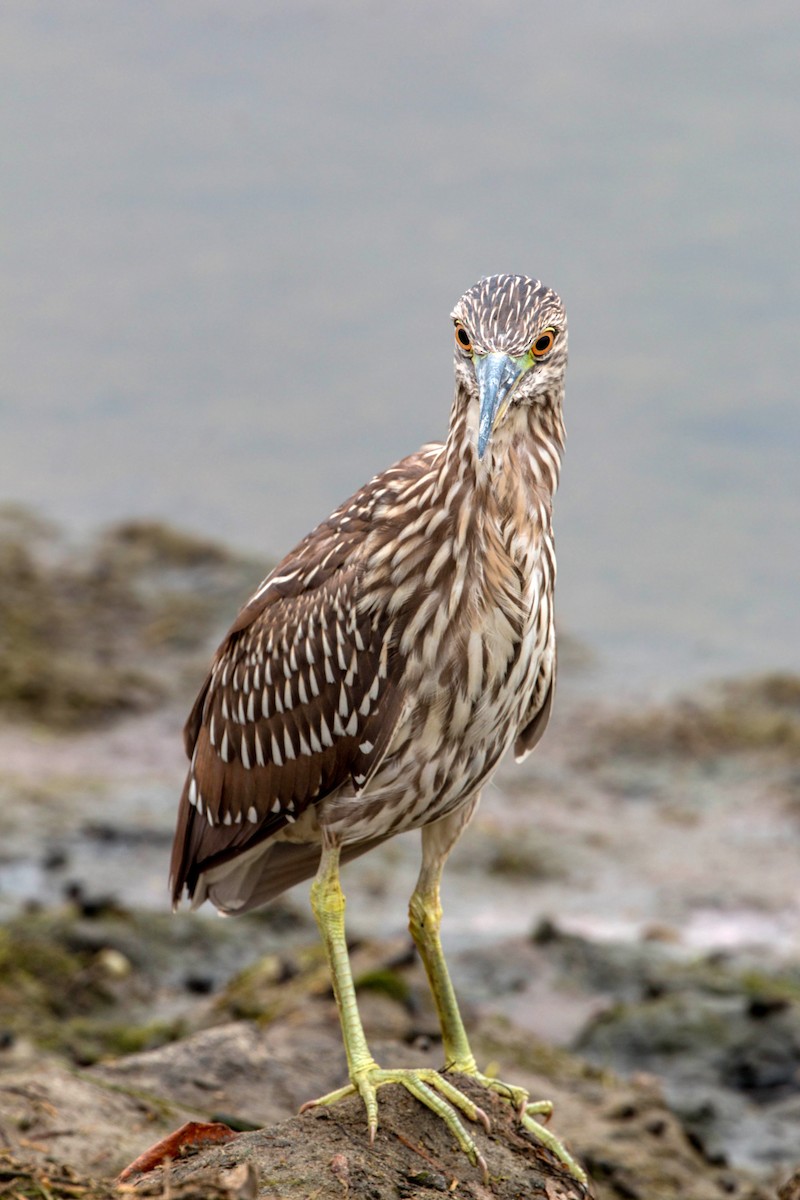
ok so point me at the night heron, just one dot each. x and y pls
(375, 679)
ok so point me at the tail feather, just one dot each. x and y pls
(263, 873)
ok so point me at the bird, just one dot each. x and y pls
(374, 680)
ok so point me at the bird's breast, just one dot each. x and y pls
(465, 583)
(469, 674)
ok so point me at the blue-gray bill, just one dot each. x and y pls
(497, 375)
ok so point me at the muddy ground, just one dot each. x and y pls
(621, 918)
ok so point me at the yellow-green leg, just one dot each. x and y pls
(429, 1087)
(425, 918)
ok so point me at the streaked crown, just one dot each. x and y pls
(505, 312)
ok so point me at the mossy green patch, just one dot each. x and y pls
(157, 544)
(755, 715)
(83, 634)
(87, 1041)
(44, 986)
(115, 982)
(40, 979)
(386, 981)
(517, 858)
(273, 985)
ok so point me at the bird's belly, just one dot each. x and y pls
(448, 742)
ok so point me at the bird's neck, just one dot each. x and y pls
(519, 472)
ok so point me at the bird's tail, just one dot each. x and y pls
(263, 873)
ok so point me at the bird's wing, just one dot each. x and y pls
(303, 696)
(537, 715)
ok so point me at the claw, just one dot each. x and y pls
(483, 1118)
(552, 1143)
(519, 1100)
(430, 1088)
(481, 1162)
(348, 1090)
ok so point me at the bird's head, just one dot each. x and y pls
(510, 351)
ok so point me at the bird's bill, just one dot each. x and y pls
(497, 376)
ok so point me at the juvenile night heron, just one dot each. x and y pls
(377, 676)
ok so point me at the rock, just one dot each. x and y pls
(326, 1153)
(52, 1115)
(79, 1126)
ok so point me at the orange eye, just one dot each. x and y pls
(544, 343)
(462, 338)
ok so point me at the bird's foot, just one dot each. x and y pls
(527, 1111)
(430, 1088)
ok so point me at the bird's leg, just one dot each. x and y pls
(427, 1085)
(425, 916)
(424, 922)
(328, 904)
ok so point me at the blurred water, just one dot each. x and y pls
(233, 233)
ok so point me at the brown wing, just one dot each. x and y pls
(302, 696)
(536, 718)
